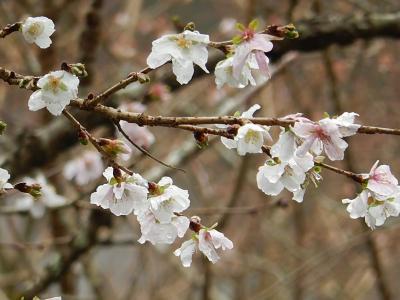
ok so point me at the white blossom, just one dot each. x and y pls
(56, 91)
(167, 199)
(85, 168)
(122, 195)
(4, 177)
(38, 30)
(186, 251)
(374, 211)
(224, 74)
(184, 50)
(161, 233)
(250, 137)
(207, 241)
(285, 169)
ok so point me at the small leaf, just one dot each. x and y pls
(240, 27)
(254, 24)
(237, 39)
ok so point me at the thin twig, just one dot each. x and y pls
(144, 151)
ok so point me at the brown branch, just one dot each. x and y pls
(10, 28)
(143, 119)
(133, 77)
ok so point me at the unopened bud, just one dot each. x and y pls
(195, 224)
(190, 26)
(114, 147)
(117, 173)
(290, 31)
(3, 127)
(77, 69)
(201, 139)
(82, 137)
(32, 189)
(143, 78)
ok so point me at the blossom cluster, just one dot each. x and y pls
(189, 48)
(158, 208)
(379, 198)
(293, 163)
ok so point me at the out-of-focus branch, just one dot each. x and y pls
(10, 28)
(90, 39)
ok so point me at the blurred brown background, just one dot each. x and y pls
(286, 251)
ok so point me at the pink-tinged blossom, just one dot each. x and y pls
(161, 233)
(326, 134)
(122, 195)
(208, 241)
(252, 43)
(184, 50)
(85, 168)
(381, 181)
(159, 92)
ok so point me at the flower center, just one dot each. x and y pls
(36, 29)
(374, 202)
(289, 171)
(54, 84)
(251, 137)
(320, 133)
(248, 34)
(183, 43)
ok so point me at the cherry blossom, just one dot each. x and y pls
(251, 42)
(122, 194)
(186, 251)
(4, 177)
(167, 199)
(381, 181)
(224, 74)
(327, 134)
(38, 30)
(184, 50)
(374, 211)
(250, 137)
(87, 167)
(161, 233)
(56, 91)
(285, 169)
(207, 241)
